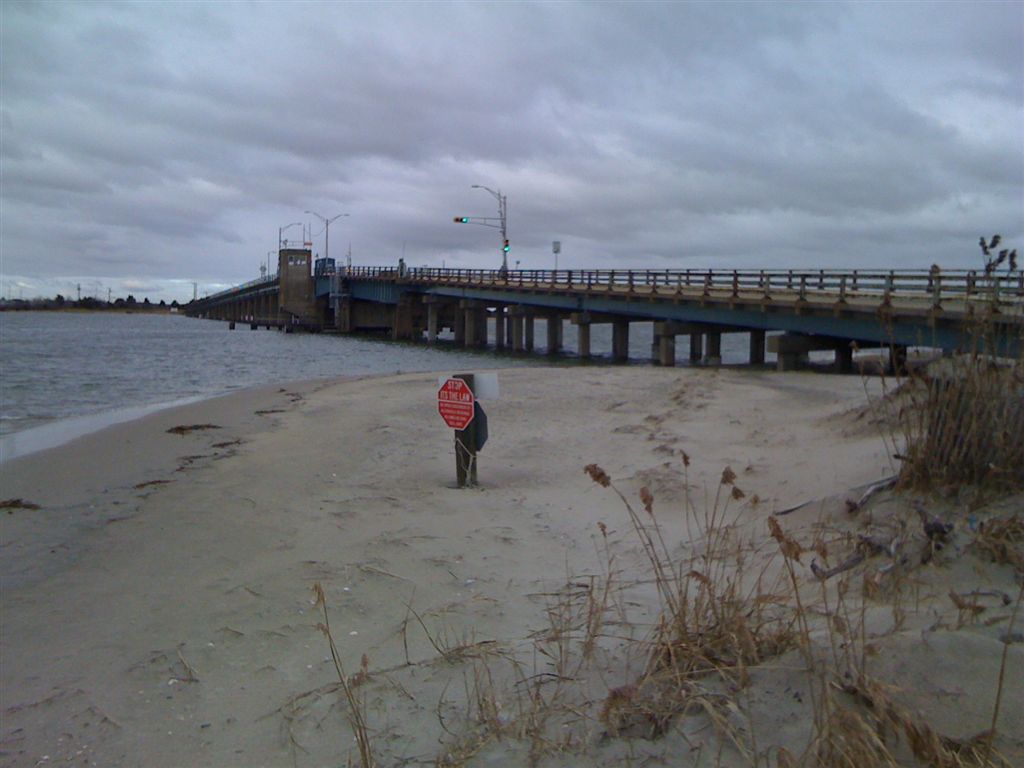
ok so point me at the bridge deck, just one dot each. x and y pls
(905, 307)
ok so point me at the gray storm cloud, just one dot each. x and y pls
(159, 144)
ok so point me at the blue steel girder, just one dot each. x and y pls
(381, 291)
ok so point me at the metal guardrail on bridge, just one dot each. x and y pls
(930, 285)
(259, 281)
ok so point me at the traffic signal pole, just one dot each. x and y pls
(499, 223)
(503, 212)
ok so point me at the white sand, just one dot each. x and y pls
(110, 589)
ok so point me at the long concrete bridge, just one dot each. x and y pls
(814, 309)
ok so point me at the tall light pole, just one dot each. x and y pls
(327, 230)
(280, 230)
(503, 217)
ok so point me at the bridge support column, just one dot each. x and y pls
(231, 325)
(897, 359)
(620, 340)
(714, 352)
(792, 349)
(582, 321)
(696, 347)
(757, 347)
(583, 340)
(469, 333)
(554, 334)
(790, 361)
(401, 328)
(499, 327)
(475, 323)
(667, 350)
(844, 358)
(432, 320)
(516, 321)
(663, 348)
(460, 327)
(528, 327)
(481, 326)
(343, 315)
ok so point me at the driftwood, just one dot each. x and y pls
(826, 573)
(936, 535)
(874, 488)
(851, 505)
(867, 546)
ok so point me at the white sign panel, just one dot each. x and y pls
(485, 385)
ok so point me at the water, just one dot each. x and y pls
(66, 373)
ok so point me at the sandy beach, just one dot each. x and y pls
(159, 605)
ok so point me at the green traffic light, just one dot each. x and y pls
(462, 220)
(506, 248)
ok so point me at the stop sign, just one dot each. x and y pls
(455, 403)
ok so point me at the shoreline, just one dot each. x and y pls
(168, 576)
(59, 432)
(63, 430)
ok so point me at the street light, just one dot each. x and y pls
(503, 216)
(327, 229)
(280, 230)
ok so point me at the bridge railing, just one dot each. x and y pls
(241, 288)
(931, 285)
(1006, 287)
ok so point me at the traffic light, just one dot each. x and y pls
(462, 219)
(506, 247)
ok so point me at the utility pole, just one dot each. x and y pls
(327, 230)
(280, 231)
(195, 291)
(79, 286)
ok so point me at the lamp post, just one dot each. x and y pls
(503, 217)
(327, 230)
(280, 231)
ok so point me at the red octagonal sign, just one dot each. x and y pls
(455, 403)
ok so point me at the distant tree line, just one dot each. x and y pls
(60, 302)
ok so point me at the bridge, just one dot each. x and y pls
(834, 310)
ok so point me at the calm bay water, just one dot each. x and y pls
(97, 368)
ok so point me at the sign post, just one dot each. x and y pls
(457, 406)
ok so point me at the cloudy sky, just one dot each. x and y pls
(146, 146)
